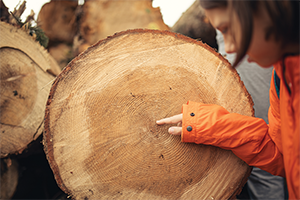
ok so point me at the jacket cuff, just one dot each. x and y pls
(189, 119)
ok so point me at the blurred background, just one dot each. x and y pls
(171, 9)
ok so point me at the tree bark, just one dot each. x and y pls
(26, 71)
(101, 139)
(193, 23)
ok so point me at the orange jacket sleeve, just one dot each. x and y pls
(247, 137)
(274, 114)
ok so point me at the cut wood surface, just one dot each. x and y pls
(101, 139)
(26, 70)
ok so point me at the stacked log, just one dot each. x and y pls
(26, 74)
(101, 139)
(26, 70)
(104, 18)
(72, 28)
(58, 21)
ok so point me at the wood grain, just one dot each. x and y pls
(101, 138)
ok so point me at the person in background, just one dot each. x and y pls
(268, 32)
(260, 184)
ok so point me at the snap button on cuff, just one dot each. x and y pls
(192, 114)
(189, 128)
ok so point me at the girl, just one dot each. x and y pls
(268, 32)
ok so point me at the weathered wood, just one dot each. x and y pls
(16, 14)
(9, 178)
(195, 24)
(101, 139)
(100, 19)
(26, 71)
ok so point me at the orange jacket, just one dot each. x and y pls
(274, 147)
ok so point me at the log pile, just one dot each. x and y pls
(72, 28)
(100, 135)
(101, 139)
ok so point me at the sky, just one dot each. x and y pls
(171, 9)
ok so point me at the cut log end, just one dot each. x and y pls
(24, 78)
(100, 136)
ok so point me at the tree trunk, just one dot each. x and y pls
(101, 139)
(195, 24)
(26, 70)
(9, 178)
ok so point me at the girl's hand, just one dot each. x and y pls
(176, 119)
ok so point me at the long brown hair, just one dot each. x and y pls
(284, 15)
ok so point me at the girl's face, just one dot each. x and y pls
(263, 52)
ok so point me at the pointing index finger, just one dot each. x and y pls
(170, 120)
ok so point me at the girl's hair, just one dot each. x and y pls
(284, 15)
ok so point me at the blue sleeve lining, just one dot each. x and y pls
(277, 84)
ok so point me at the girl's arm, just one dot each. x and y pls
(249, 138)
